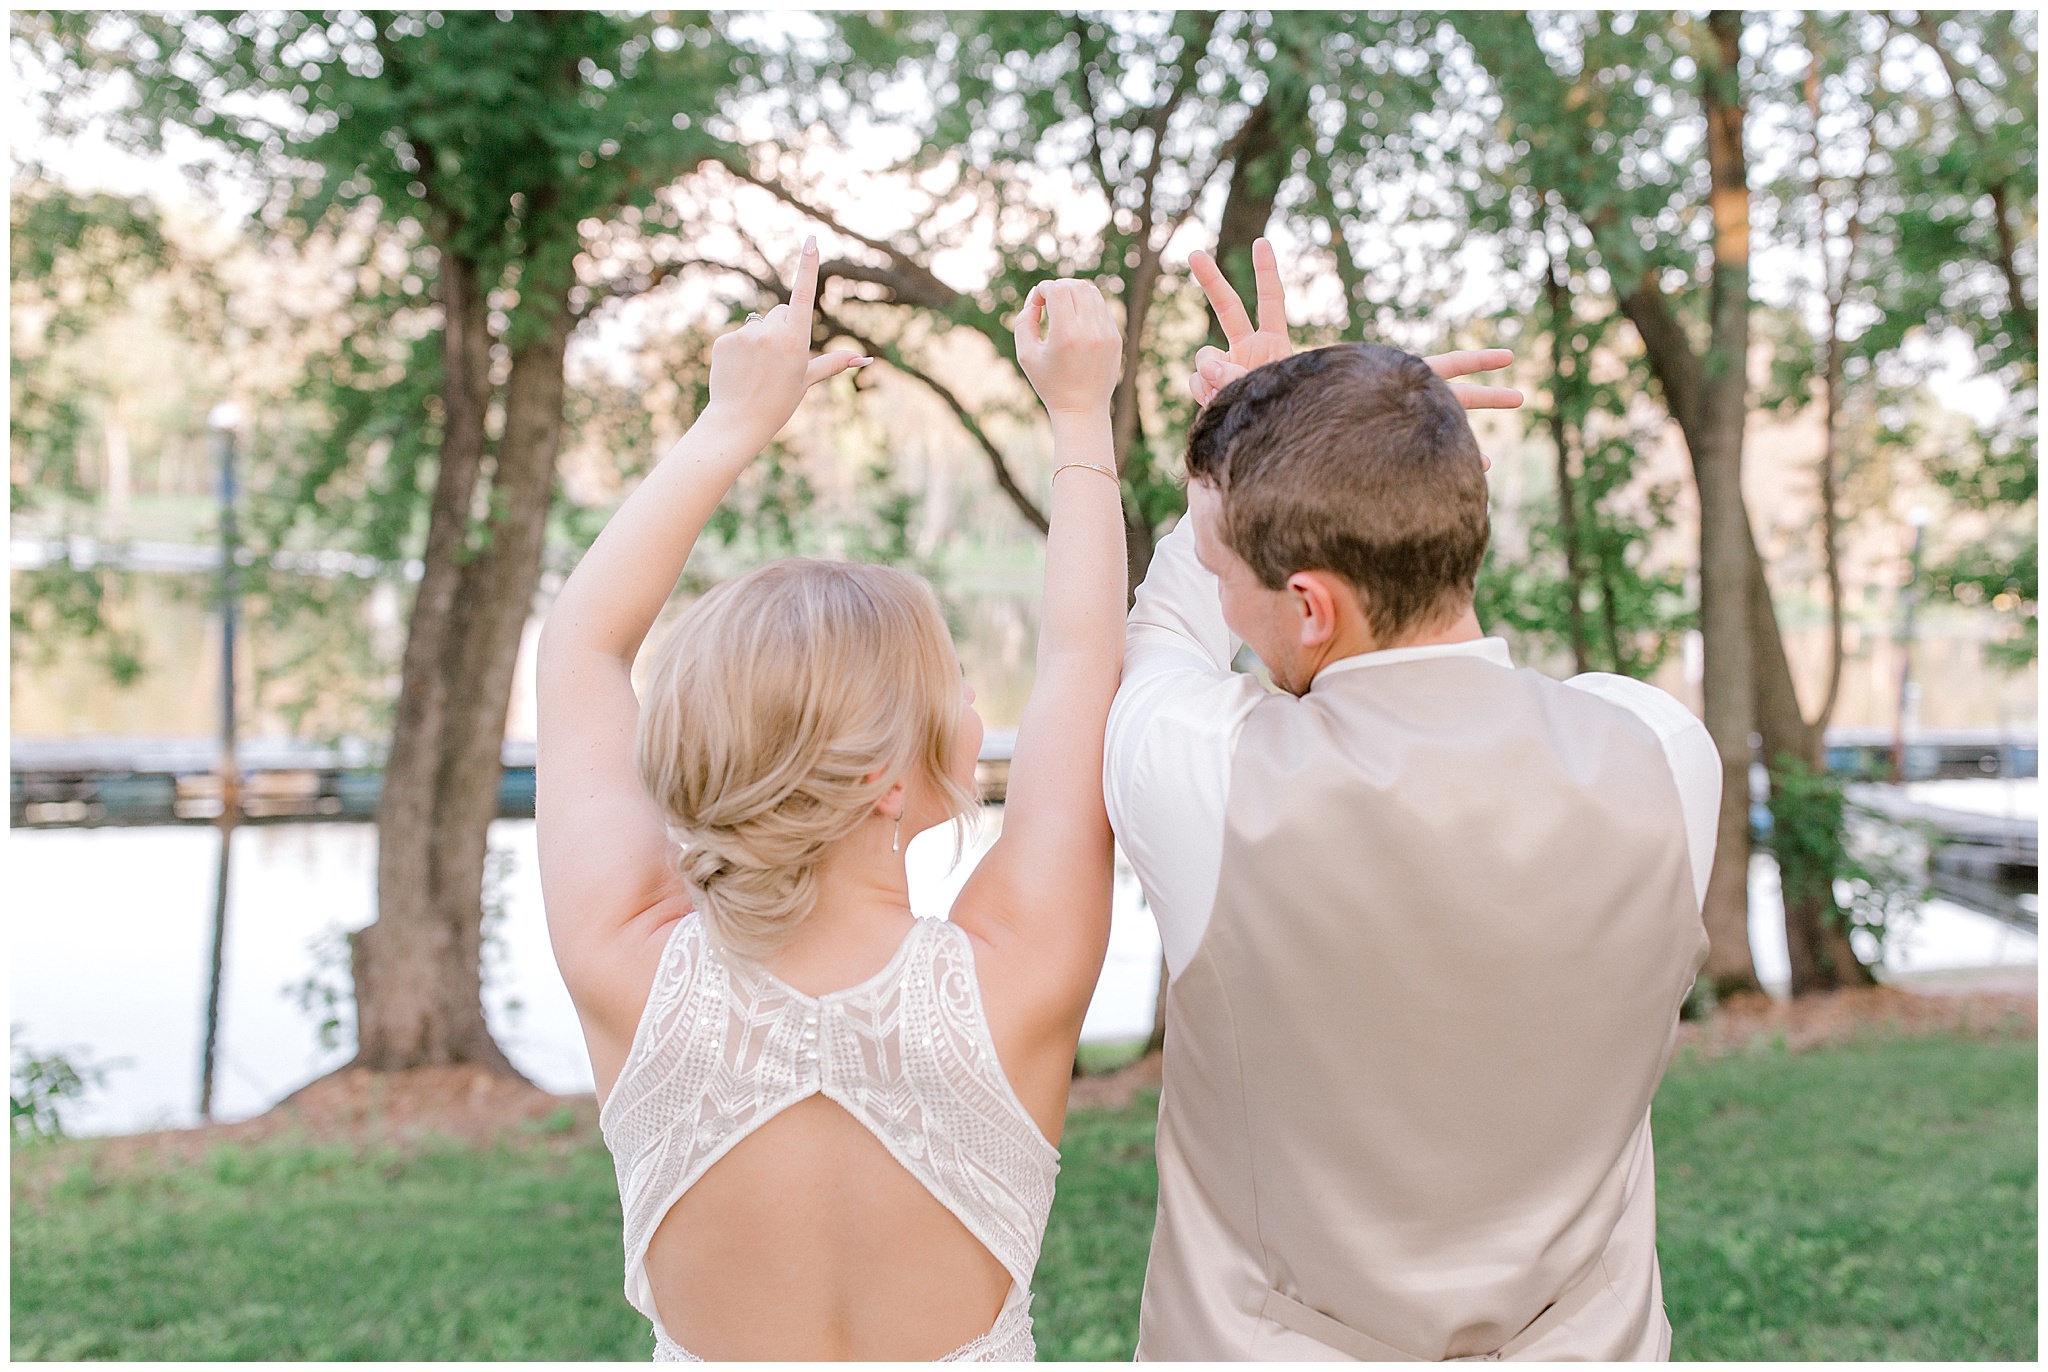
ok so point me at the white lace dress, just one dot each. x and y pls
(723, 1047)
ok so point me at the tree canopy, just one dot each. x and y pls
(1683, 222)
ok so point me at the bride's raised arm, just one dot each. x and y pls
(606, 874)
(1039, 901)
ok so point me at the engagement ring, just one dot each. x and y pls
(754, 318)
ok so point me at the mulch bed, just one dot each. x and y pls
(1744, 1023)
(367, 1110)
(1749, 1021)
(474, 1106)
(1114, 1090)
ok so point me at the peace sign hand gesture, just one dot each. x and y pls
(1249, 347)
(1252, 347)
(760, 371)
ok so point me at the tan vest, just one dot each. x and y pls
(1409, 1069)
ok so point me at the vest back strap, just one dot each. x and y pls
(1356, 1343)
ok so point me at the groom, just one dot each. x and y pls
(1428, 918)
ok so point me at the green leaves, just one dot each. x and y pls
(74, 261)
(42, 1084)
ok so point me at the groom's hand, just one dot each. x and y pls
(1450, 366)
(1214, 370)
(1252, 346)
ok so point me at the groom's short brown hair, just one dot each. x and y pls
(1354, 459)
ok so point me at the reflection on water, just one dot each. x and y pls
(110, 932)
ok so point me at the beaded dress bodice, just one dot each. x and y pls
(723, 1047)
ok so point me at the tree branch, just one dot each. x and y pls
(1162, 116)
(1096, 157)
(596, 297)
(906, 288)
(1676, 366)
(997, 462)
(1928, 31)
(927, 287)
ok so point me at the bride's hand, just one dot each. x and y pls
(1069, 347)
(760, 371)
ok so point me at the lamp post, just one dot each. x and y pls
(1909, 595)
(222, 423)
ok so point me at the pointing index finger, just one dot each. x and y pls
(803, 293)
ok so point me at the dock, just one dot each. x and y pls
(1934, 754)
(1986, 860)
(114, 780)
(129, 780)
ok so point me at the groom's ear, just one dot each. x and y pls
(1324, 604)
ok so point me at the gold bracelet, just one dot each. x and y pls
(1109, 472)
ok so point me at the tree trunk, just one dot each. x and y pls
(1817, 943)
(1709, 399)
(1126, 421)
(1247, 211)
(418, 974)
(1259, 166)
(1816, 934)
(1726, 549)
(1558, 297)
(1256, 171)
(1748, 680)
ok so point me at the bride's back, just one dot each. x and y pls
(846, 1175)
(809, 1241)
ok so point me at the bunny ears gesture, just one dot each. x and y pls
(1267, 341)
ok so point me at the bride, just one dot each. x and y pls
(835, 1123)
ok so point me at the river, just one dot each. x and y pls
(110, 938)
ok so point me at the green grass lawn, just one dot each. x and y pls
(1868, 1202)
(1875, 1201)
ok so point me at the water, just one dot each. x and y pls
(1941, 936)
(110, 933)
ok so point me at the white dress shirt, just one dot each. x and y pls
(1175, 723)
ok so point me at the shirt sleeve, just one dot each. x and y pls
(1172, 728)
(1695, 764)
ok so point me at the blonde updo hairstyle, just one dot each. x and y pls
(771, 703)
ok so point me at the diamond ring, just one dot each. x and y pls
(754, 318)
